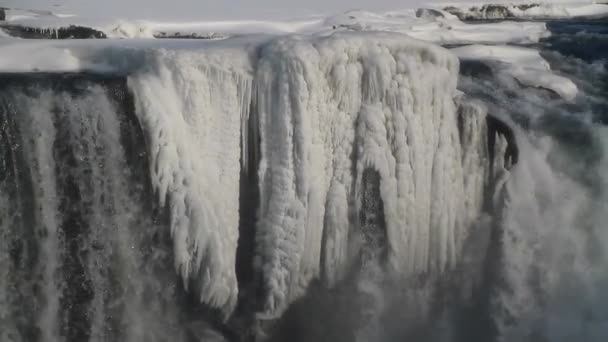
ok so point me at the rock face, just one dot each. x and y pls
(70, 32)
(475, 68)
(488, 12)
(2, 14)
(188, 35)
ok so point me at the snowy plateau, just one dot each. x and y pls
(209, 178)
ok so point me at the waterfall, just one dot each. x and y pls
(81, 255)
(548, 276)
(223, 193)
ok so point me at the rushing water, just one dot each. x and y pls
(85, 253)
(550, 275)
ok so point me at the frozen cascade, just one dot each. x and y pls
(331, 108)
(192, 106)
(323, 107)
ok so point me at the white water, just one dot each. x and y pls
(38, 124)
(553, 250)
(106, 233)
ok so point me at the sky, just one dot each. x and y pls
(222, 9)
(208, 9)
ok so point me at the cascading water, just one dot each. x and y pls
(306, 189)
(550, 272)
(84, 245)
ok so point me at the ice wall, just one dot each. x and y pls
(328, 110)
(191, 106)
(325, 110)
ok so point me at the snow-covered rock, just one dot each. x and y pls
(528, 11)
(427, 24)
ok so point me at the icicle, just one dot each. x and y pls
(191, 106)
(388, 104)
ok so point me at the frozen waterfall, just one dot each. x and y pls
(122, 196)
(326, 110)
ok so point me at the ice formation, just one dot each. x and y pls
(191, 106)
(335, 108)
(327, 109)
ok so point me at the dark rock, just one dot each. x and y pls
(475, 68)
(180, 35)
(496, 12)
(487, 12)
(499, 127)
(428, 13)
(2, 14)
(70, 32)
(525, 7)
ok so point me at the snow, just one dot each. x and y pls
(33, 56)
(447, 30)
(388, 16)
(438, 30)
(104, 55)
(524, 64)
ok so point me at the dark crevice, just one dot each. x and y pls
(372, 221)
(499, 127)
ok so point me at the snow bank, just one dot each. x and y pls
(445, 29)
(122, 56)
(442, 28)
(525, 65)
